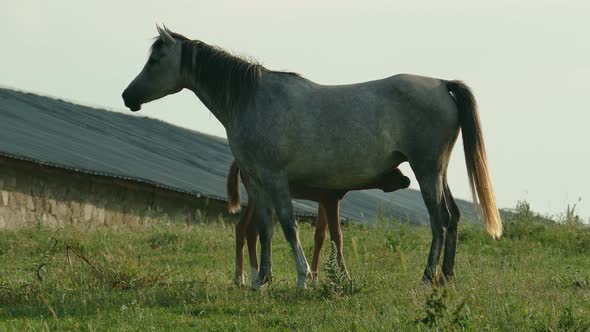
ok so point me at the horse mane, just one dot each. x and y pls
(230, 79)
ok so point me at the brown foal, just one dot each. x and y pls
(328, 217)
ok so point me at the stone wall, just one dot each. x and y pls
(33, 194)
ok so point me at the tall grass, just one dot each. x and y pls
(168, 276)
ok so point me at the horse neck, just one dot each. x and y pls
(201, 91)
(223, 82)
(200, 88)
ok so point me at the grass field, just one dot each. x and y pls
(179, 277)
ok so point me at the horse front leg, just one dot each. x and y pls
(278, 188)
(263, 216)
(252, 238)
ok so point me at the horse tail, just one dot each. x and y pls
(233, 188)
(475, 157)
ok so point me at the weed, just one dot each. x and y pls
(337, 283)
(439, 317)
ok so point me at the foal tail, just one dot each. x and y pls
(475, 157)
(233, 188)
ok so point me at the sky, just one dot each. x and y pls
(527, 62)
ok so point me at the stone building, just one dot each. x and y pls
(32, 193)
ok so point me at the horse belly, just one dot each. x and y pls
(340, 169)
(344, 147)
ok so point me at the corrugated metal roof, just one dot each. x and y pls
(80, 138)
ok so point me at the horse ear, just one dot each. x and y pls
(165, 35)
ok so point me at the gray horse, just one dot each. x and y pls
(284, 128)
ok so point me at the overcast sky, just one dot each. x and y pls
(527, 62)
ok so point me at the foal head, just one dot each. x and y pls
(394, 181)
(161, 75)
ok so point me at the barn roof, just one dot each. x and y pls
(89, 140)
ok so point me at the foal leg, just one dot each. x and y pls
(241, 230)
(431, 186)
(320, 236)
(333, 214)
(451, 236)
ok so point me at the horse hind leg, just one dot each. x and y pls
(431, 187)
(451, 235)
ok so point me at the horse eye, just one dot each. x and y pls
(152, 61)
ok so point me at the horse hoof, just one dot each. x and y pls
(253, 273)
(261, 281)
(256, 285)
(302, 283)
(427, 281)
(303, 279)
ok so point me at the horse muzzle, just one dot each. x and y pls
(405, 182)
(131, 102)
